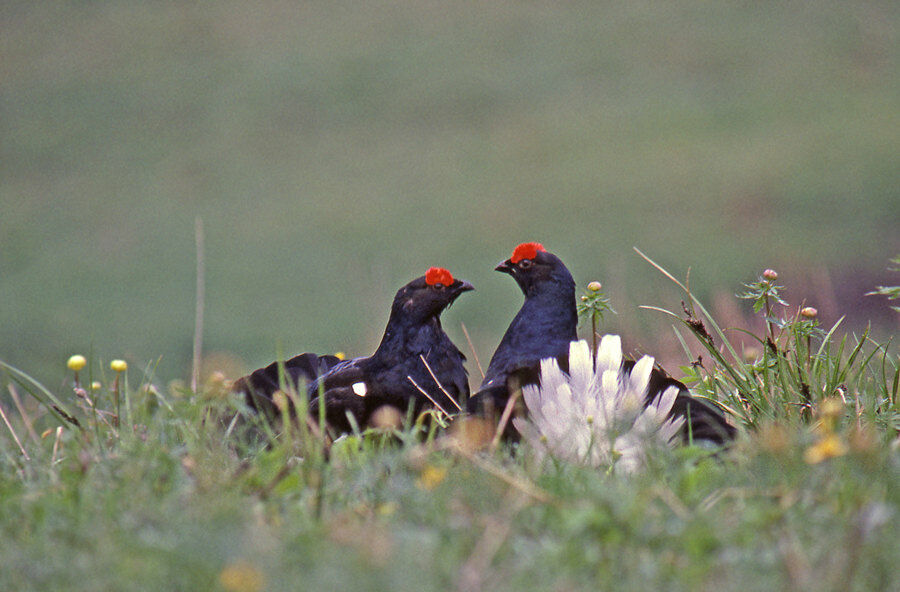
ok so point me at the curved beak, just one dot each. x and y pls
(464, 286)
(504, 267)
(457, 288)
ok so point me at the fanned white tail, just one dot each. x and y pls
(595, 414)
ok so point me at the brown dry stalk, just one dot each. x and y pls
(421, 390)
(472, 347)
(14, 435)
(440, 386)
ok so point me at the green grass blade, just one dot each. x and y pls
(42, 394)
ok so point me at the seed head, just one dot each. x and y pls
(76, 362)
(118, 365)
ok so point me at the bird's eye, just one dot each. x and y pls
(525, 263)
(438, 287)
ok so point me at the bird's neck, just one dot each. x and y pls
(553, 310)
(547, 321)
(399, 334)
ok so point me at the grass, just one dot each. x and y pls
(334, 153)
(194, 493)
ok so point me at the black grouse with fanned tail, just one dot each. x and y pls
(544, 327)
(393, 375)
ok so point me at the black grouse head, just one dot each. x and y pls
(534, 269)
(428, 296)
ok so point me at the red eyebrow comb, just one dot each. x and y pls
(438, 275)
(526, 251)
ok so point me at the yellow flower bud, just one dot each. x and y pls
(95, 386)
(828, 447)
(770, 274)
(76, 362)
(386, 509)
(241, 576)
(595, 286)
(119, 365)
(431, 477)
(809, 312)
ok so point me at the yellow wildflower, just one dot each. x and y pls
(386, 509)
(431, 477)
(119, 365)
(241, 577)
(76, 362)
(828, 447)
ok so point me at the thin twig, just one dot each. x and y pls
(735, 492)
(421, 390)
(13, 432)
(472, 347)
(473, 572)
(198, 312)
(25, 418)
(440, 386)
(525, 487)
(671, 500)
(56, 445)
(504, 418)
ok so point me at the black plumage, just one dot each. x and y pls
(361, 385)
(543, 328)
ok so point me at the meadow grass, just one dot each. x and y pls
(172, 489)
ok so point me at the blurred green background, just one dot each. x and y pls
(335, 150)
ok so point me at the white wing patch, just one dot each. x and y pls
(359, 388)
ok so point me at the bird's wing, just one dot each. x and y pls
(259, 386)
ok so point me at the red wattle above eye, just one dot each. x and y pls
(526, 251)
(438, 275)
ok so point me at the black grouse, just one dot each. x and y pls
(544, 327)
(393, 375)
